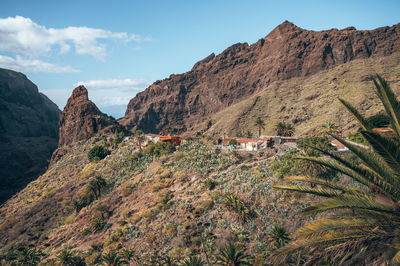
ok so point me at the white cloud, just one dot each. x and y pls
(112, 92)
(22, 35)
(32, 65)
(113, 83)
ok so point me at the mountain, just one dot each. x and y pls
(81, 120)
(28, 132)
(157, 202)
(190, 101)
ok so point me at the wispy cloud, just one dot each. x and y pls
(113, 83)
(112, 92)
(33, 65)
(24, 36)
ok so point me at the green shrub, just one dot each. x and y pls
(97, 224)
(233, 142)
(82, 201)
(233, 202)
(158, 149)
(285, 165)
(98, 152)
(358, 137)
(209, 183)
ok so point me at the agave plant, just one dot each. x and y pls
(113, 259)
(279, 236)
(363, 222)
(192, 261)
(232, 255)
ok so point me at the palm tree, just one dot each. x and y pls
(284, 129)
(328, 127)
(96, 185)
(139, 138)
(192, 261)
(113, 259)
(260, 124)
(363, 223)
(279, 236)
(233, 255)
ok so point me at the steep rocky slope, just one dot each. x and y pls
(216, 82)
(28, 131)
(80, 120)
(156, 205)
(308, 102)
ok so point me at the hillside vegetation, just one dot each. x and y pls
(159, 202)
(308, 102)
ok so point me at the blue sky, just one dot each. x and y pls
(118, 48)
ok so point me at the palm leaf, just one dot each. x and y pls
(378, 165)
(386, 147)
(314, 191)
(361, 174)
(389, 101)
(325, 183)
(325, 225)
(363, 122)
(350, 202)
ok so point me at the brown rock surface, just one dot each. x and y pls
(182, 101)
(81, 120)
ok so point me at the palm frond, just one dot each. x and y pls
(386, 147)
(350, 202)
(344, 167)
(389, 101)
(327, 225)
(382, 173)
(365, 125)
(314, 191)
(396, 257)
(325, 183)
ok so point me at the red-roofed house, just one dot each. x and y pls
(339, 146)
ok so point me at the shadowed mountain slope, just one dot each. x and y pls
(28, 131)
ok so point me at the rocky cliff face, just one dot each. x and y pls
(81, 120)
(216, 82)
(28, 131)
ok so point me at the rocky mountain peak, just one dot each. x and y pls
(185, 101)
(81, 93)
(81, 120)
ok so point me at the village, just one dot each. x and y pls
(254, 144)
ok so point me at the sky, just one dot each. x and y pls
(118, 48)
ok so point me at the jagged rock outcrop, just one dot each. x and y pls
(28, 132)
(182, 101)
(81, 120)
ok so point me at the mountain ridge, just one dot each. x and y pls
(181, 101)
